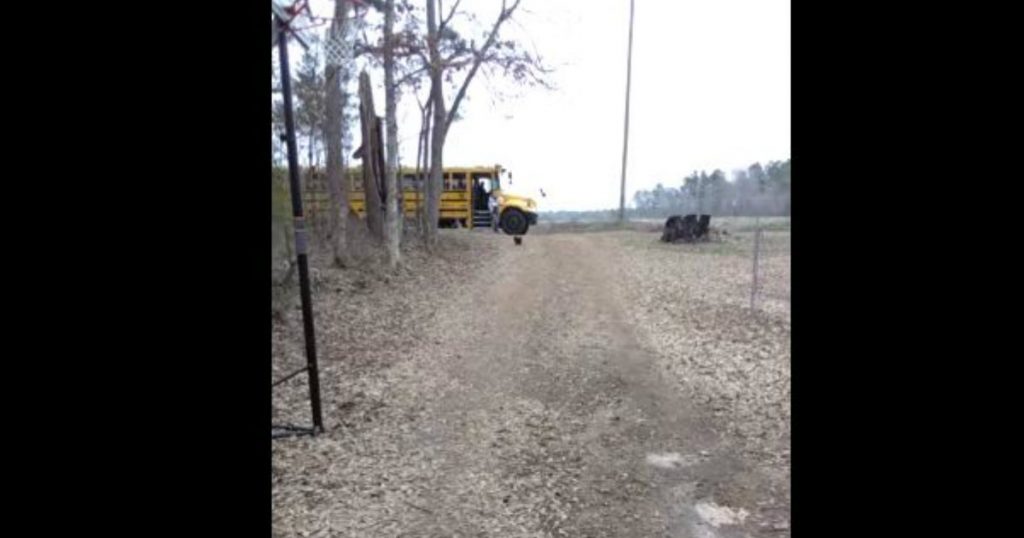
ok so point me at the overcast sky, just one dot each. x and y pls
(710, 89)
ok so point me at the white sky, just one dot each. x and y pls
(710, 89)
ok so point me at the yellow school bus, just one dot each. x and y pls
(463, 198)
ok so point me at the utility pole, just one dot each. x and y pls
(625, 136)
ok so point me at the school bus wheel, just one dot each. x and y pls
(513, 222)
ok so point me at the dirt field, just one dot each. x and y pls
(582, 384)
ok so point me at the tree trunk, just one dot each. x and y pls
(392, 224)
(434, 183)
(309, 159)
(421, 167)
(370, 155)
(336, 77)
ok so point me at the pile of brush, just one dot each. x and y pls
(688, 229)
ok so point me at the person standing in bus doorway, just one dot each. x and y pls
(492, 206)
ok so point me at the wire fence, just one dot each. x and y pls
(767, 244)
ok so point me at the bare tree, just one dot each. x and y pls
(422, 164)
(440, 56)
(309, 92)
(336, 78)
(449, 52)
(437, 134)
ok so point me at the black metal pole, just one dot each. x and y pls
(300, 231)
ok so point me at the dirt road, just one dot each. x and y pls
(530, 404)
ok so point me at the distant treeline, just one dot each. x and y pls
(756, 191)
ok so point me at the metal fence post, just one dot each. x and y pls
(757, 251)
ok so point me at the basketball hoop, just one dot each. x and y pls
(338, 49)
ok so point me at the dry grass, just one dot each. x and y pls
(691, 304)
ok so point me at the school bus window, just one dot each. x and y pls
(409, 182)
(458, 181)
